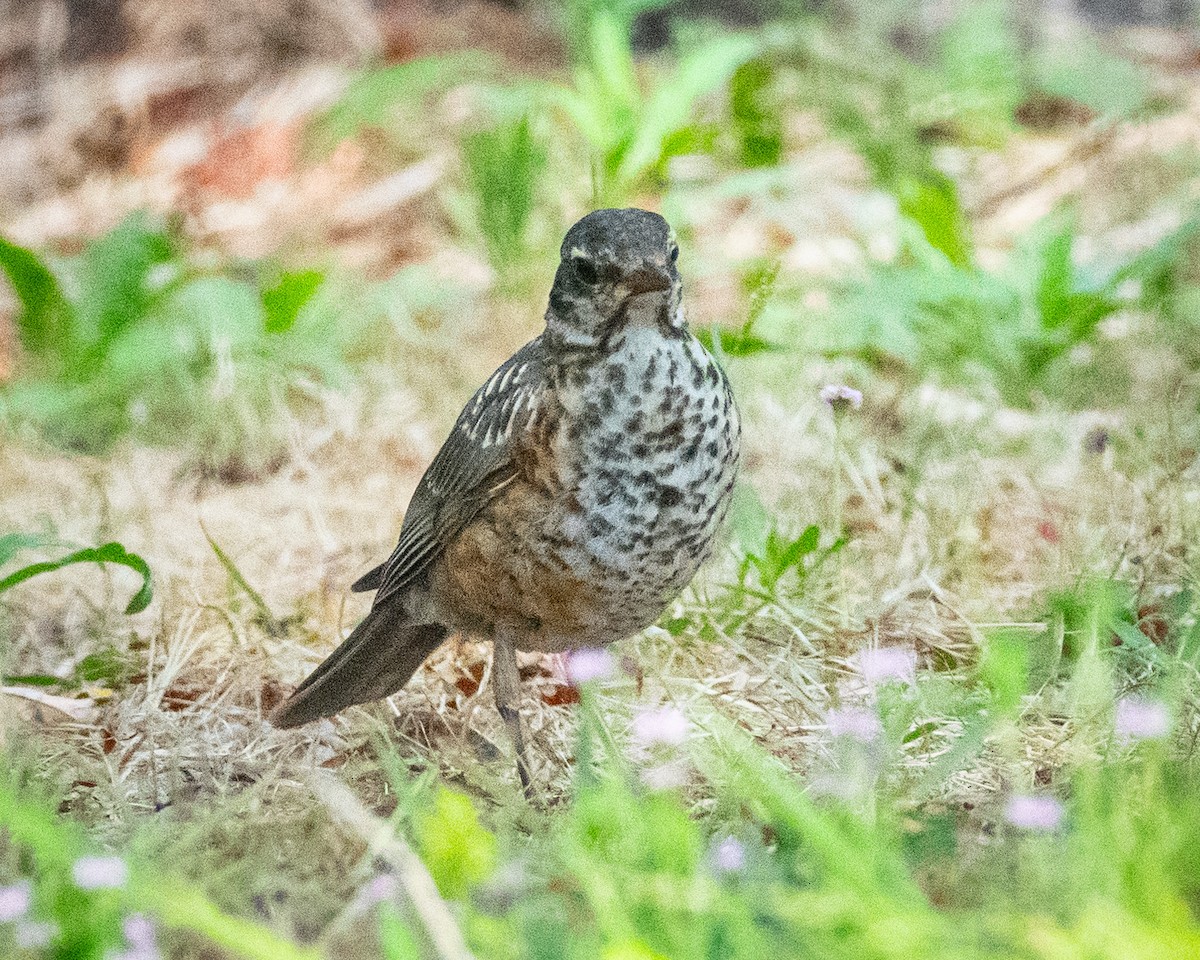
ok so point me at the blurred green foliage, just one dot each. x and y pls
(83, 898)
(633, 128)
(864, 857)
(135, 341)
(504, 164)
(379, 100)
(1017, 328)
(770, 868)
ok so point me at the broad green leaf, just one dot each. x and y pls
(458, 850)
(1004, 669)
(734, 343)
(114, 271)
(45, 323)
(932, 203)
(672, 104)
(291, 292)
(504, 165)
(109, 553)
(1056, 277)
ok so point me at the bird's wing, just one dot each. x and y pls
(474, 464)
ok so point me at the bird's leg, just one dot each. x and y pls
(507, 683)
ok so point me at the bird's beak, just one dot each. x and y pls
(646, 279)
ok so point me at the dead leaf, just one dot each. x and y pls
(560, 696)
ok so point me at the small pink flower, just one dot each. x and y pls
(15, 901)
(35, 934)
(1034, 812)
(1141, 719)
(382, 887)
(663, 725)
(840, 397)
(589, 664)
(141, 938)
(884, 664)
(99, 873)
(665, 776)
(854, 722)
(729, 856)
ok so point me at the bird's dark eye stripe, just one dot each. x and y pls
(586, 270)
(674, 254)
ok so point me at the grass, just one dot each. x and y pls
(935, 696)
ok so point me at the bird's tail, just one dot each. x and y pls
(376, 660)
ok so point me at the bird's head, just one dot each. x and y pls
(617, 270)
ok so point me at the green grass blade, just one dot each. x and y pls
(44, 323)
(109, 553)
(291, 292)
(273, 624)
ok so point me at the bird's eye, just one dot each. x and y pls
(674, 254)
(586, 271)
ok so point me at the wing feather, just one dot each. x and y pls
(475, 463)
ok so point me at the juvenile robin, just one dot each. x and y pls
(579, 491)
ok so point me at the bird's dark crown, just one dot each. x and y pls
(612, 260)
(628, 237)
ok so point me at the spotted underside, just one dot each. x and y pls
(623, 472)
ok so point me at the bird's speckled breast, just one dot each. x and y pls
(650, 461)
(625, 478)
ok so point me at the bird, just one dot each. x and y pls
(577, 494)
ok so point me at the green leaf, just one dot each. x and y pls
(45, 322)
(108, 667)
(756, 119)
(932, 203)
(1134, 639)
(1056, 278)
(31, 679)
(981, 61)
(917, 732)
(801, 547)
(671, 106)
(291, 292)
(1004, 669)
(395, 938)
(109, 553)
(735, 343)
(115, 270)
(458, 850)
(373, 97)
(504, 166)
